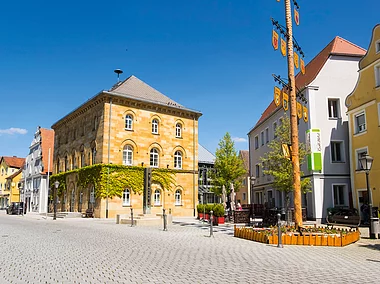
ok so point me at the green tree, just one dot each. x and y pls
(228, 167)
(274, 162)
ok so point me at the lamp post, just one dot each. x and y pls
(366, 165)
(56, 184)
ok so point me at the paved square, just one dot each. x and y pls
(35, 250)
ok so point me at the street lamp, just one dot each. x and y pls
(366, 165)
(56, 184)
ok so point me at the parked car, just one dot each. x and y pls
(343, 216)
(16, 208)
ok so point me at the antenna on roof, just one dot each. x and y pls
(118, 72)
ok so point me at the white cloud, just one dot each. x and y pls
(239, 139)
(13, 130)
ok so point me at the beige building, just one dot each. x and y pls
(243, 195)
(102, 148)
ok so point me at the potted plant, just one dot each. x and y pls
(208, 208)
(218, 213)
(200, 210)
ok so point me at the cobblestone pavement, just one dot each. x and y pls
(38, 250)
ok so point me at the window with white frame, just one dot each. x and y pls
(360, 153)
(339, 192)
(178, 198)
(127, 155)
(178, 130)
(155, 126)
(336, 151)
(333, 106)
(377, 75)
(377, 46)
(256, 142)
(178, 160)
(267, 135)
(360, 122)
(128, 122)
(244, 196)
(262, 138)
(257, 171)
(157, 197)
(154, 157)
(274, 130)
(126, 197)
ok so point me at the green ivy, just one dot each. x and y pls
(111, 180)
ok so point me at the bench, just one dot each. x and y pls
(89, 213)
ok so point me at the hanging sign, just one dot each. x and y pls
(296, 60)
(296, 17)
(283, 47)
(314, 147)
(275, 39)
(305, 114)
(302, 66)
(285, 101)
(277, 96)
(299, 110)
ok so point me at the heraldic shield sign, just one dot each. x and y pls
(305, 114)
(283, 47)
(296, 60)
(285, 101)
(275, 39)
(277, 96)
(302, 66)
(299, 110)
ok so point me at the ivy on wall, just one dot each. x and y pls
(111, 180)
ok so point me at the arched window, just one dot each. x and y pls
(157, 197)
(82, 159)
(178, 160)
(66, 163)
(128, 122)
(178, 197)
(154, 157)
(127, 155)
(155, 126)
(94, 156)
(75, 161)
(126, 197)
(178, 130)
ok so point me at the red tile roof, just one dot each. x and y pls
(338, 46)
(47, 141)
(14, 162)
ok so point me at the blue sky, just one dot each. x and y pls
(214, 56)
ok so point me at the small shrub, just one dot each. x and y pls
(218, 210)
(200, 208)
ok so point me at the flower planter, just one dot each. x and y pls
(220, 220)
(200, 215)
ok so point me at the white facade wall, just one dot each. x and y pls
(335, 80)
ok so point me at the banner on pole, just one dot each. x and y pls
(296, 60)
(302, 66)
(285, 101)
(296, 17)
(305, 114)
(277, 96)
(299, 110)
(275, 39)
(283, 47)
(314, 147)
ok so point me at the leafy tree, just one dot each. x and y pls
(228, 167)
(274, 162)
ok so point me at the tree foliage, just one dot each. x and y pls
(274, 162)
(228, 166)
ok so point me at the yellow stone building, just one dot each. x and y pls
(12, 183)
(131, 124)
(8, 167)
(363, 106)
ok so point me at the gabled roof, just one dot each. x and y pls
(338, 46)
(47, 141)
(12, 176)
(14, 162)
(244, 154)
(205, 156)
(134, 87)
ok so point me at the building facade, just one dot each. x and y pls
(243, 194)
(13, 184)
(363, 106)
(8, 166)
(206, 161)
(329, 77)
(35, 175)
(133, 125)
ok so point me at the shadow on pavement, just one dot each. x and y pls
(371, 246)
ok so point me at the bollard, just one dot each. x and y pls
(211, 221)
(131, 217)
(279, 231)
(164, 217)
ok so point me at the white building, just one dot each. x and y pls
(329, 78)
(35, 174)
